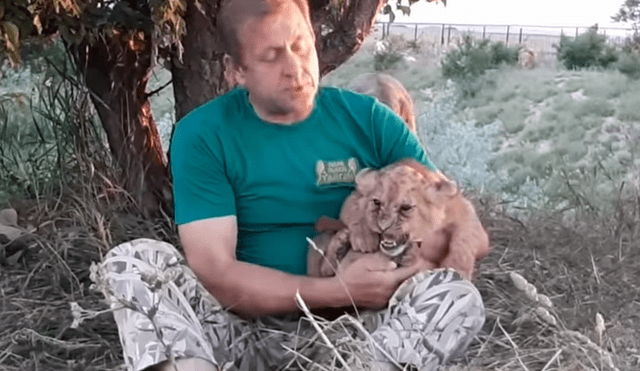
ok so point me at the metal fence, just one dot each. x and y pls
(541, 38)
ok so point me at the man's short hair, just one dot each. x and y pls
(389, 91)
(235, 13)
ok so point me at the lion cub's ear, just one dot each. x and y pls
(439, 189)
(366, 180)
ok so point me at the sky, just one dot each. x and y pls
(571, 13)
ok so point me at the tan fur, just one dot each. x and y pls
(389, 91)
(406, 207)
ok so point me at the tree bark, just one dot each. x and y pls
(116, 69)
(198, 74)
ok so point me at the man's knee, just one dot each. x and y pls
(184, 364)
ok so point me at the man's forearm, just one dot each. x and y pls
(255, 291)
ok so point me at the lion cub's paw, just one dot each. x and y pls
(337, 247)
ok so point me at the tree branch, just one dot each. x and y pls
(341, 28)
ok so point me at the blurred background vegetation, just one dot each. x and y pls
(554, 138)
(549, 138)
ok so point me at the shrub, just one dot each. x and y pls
(474, 57)
(587, 50)
(629, 65)
(385, 61)
(461, 150)
(388, 52)
(467, 153)
(467, 65)
(632, 43)
(502, 54)
(48, 131)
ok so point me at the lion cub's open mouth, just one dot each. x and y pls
(394, 248)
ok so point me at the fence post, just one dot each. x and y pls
(442, 35)
(484, 30)
(415, 34)
(520, 38)
(449, 36)
(576, 31)
(507, 42)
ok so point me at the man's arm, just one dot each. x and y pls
(254, 291)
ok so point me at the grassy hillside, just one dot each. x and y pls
(564, 138)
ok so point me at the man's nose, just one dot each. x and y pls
(292, 66)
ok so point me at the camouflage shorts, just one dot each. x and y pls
(163, 312)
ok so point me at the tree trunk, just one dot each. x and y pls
(198, 75)
(116, 70)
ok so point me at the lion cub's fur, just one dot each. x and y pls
(406, 212)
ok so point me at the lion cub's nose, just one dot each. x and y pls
(385, 222)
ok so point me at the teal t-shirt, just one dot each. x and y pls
(279, 179)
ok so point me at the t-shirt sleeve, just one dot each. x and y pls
(394, 140)
(201, 188)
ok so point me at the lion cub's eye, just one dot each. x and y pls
(406, 208)
(376, 202)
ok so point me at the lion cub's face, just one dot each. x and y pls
(393, 208)
(388, 208)
(391, 204)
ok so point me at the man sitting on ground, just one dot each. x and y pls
(247, 194)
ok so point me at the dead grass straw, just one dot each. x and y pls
(585, 266)
(65, 232)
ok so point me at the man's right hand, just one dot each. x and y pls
(373, 278)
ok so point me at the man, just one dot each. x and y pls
(248, 191)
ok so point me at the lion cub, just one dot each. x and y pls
(406, 212)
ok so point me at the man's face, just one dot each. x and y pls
(280, 68)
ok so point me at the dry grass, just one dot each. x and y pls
(580, 271)
(585, 266)
(63, 235)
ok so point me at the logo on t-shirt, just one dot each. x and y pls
(332, 172)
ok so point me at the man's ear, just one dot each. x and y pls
(233, 72)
